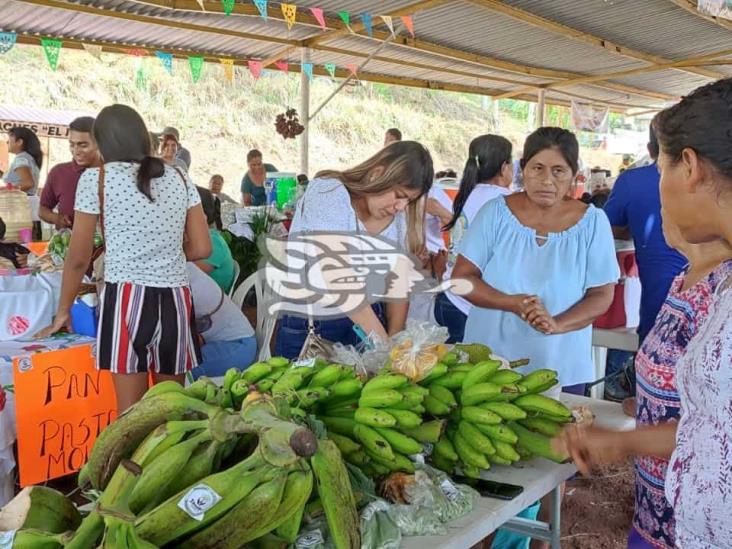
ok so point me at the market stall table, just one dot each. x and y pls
(538, 477)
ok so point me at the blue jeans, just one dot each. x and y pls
(219, 356)
(452, 318)
(293, 330)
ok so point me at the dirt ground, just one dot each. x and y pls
(597, 512)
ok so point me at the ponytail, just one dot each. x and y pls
(467, 184)
(486, 157)
(150, 168)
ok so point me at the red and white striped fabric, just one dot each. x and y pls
(142, 329)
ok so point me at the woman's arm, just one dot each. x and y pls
(594, 304)
(590, 447)
(396, 316)
(246, 199)
(438, 210)
(26, 178)
(75, 265)
(369, 322)
(197, 240)
(484, 295)
(205, 267)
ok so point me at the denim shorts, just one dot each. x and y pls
(293, 330)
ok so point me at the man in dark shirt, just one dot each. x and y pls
(634, 209)
(60, 189)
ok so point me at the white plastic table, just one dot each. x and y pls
(539, 477)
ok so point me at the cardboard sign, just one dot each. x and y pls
(62, 404)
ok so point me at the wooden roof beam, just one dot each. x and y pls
(356, 27)
(570, 32)
(402, 41)
(169, 23)
(715, 58)
(121, 48)
(692, 7)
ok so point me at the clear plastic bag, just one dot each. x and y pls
(415, 351)
(378, 530)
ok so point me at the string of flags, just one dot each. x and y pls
(52, 47)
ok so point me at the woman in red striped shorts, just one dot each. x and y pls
(153, 222)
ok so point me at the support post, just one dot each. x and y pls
(305, 114)
(540, 108)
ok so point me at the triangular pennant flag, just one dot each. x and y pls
(307, 68)
(200, 3)
(228, 6)
(52, 48)
(346, 18)
(228, 68)
(290, 13)
(7, 41)
(136, 52)
(389, 22)
(140, 76)
(166, 59)
(284, 66)
(352, 68)
(407, 20)
(196, 64)
(94, 51)
(262, 7)
(331, 68)
(255, 67)
(318, 14)
(366, 20)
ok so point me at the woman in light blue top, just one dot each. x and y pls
(542, 265)
(25, 170)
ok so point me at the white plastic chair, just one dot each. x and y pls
(237, 272)
(266, 322)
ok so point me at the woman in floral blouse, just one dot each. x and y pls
(696, 194)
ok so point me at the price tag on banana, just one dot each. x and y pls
(307, 363)
(198, 500)
(310, 539)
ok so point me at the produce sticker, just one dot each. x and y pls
(62, 404)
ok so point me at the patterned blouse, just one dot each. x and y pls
(699, 477)
(658, 399)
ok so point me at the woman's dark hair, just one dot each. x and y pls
(486, 157)
(402, 164)
(31, 144)
(208, 204)
(2, 228)
(121, 135)
(701, 121)
(559, 139)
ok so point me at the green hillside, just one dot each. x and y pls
(220, 121)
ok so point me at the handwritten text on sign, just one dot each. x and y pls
(62, 404)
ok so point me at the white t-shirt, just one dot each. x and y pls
(481, 195)
(326, 207)
(228, 323)
(433, 225)
(144, 240)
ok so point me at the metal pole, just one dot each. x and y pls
(540, 108)
(556, 520)
(351, 76)
(305, 113)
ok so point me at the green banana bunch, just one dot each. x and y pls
(120, 439)
(250, 518)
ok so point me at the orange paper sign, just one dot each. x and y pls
(62, 403)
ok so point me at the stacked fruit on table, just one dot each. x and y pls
(179, 470)
(469, 410)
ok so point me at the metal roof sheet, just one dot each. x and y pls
(458, 42)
